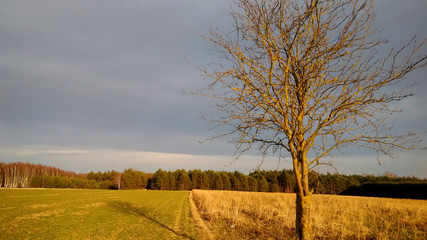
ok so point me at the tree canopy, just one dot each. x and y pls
(306, 78)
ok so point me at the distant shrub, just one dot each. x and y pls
(274, 188)
(62, 182)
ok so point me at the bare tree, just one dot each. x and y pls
(307, 77)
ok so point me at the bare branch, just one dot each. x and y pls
(308, 77)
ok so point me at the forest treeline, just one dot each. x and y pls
(284, 181)
(17, 175)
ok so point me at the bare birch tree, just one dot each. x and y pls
(307, 77)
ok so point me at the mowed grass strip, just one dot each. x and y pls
(95, 214)
(246, 215)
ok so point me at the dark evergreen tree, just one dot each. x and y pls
(183, 181)
(226, 184)
(235, 182)
(217, 182)
(243, 180)
(262, 184)
(159, 180)
(199, 179)
(253, 184)
(273, 187)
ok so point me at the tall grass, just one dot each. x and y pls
(244, 215)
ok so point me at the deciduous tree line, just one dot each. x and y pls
(17, 175)
(24, 175)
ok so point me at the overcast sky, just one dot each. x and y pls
(103, 85)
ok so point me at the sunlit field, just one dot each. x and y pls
(139, 214)
(94, 214)
(245, 215)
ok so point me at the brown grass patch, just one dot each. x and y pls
(80, 213)
(94, 205)
(7, 208)
(39, 206)
(41, 214)
(244, 215)
(43, 205)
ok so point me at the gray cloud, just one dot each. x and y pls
(110, 75)
(117, 68)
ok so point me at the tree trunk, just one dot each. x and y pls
(303, 199)
(302, 222)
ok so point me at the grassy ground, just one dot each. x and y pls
(244, 215)
(108, 214)
(94, 214)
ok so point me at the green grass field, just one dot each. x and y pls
(95, 214)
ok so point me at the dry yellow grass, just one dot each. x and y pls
(245, 215)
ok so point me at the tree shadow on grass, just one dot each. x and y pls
(144, 212)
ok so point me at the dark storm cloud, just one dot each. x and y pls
(399, 22)
(102, 69)
(89, 76)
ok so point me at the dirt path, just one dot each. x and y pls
(202, 230)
